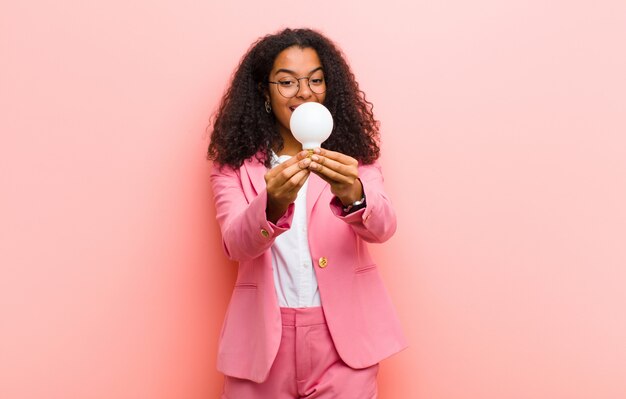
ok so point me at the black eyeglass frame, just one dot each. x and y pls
(298, 82)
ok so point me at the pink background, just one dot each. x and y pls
(503, 138)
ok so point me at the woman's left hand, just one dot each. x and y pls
(340, 171)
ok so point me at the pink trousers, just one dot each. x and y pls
(306, 366)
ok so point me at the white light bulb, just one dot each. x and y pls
(311, 124)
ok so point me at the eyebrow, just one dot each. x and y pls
(293, 72)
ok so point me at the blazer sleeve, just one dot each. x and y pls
(246, 232)
(376, 222)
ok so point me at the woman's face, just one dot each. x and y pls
(295, 63)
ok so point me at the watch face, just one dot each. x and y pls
(355, 206)
(359, 202)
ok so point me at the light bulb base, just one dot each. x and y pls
(311, 145)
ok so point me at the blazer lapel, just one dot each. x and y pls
(256, 172)
(315, 187)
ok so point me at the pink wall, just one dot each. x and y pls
(504, 152)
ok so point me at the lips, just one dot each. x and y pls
(293, 107)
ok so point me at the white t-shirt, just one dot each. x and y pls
(294, 276)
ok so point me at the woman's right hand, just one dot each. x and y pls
(283, 183)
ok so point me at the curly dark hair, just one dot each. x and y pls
(242, 127)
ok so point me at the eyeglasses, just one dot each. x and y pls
(288, 87)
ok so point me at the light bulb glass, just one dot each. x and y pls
(311, 124)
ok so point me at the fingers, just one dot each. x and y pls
(333, 169)
(283, 172)
(336, 156)
(285, 180)
(288, 191)
(330, 169)
(280, 196)
(294, 183)
(300, 178)
(329, 174)
(291, 161)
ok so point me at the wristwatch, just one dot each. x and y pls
(355, 206)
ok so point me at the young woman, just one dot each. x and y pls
(309, 316)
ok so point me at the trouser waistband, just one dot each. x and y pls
(301, 317)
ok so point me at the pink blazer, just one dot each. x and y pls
(360, 316)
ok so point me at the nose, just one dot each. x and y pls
(304, 91)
